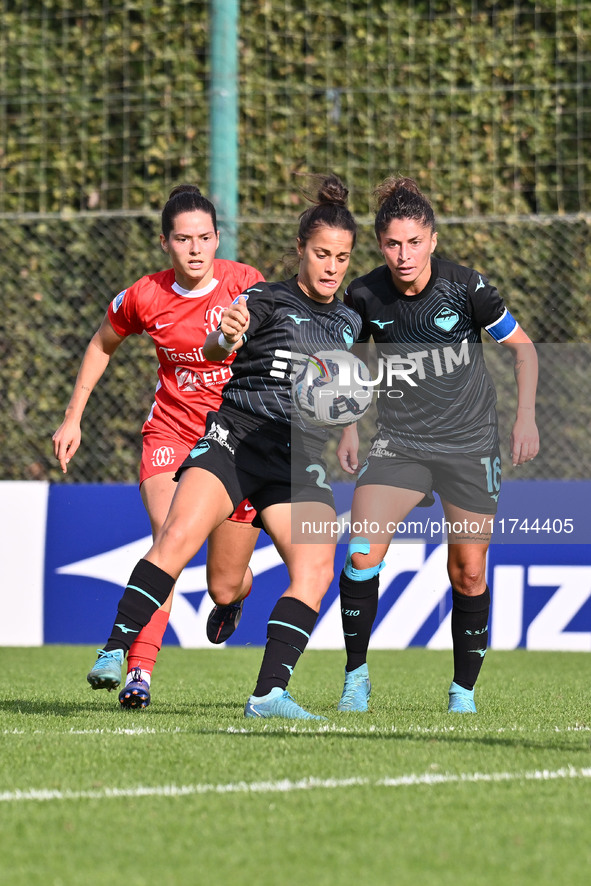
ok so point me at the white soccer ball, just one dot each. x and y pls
(332, 388)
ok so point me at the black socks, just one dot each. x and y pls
(146, 591)
(288, 631)
(469, 631)
(359, 605)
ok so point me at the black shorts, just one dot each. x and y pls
(258, 460)
(468, 480)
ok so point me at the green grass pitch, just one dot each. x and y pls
(189, 792)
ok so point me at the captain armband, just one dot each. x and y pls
(502, 328)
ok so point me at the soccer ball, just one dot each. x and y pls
(332, 388)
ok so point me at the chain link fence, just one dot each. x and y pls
(485, 104)
(60, 274)
(104, 108)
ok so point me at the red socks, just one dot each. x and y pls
(145, 648)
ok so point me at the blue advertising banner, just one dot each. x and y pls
(539, 572)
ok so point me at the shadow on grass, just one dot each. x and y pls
(52, 708)
(335, 731)
(345, 728)
(110, 706)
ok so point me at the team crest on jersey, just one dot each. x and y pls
(446, 319)
(118, 300)
(213, 317)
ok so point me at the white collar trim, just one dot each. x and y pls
(195, 293)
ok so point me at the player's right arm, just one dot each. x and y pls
(101, 347)
(348, 449)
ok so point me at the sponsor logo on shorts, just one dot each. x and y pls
(163, 456)
(200, 449)
(380, 450)
(218, 435)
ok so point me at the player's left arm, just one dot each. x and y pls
(525, 440)
(489, 311)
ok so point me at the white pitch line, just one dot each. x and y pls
(299, 728)
(286, 786)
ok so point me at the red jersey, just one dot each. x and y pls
(178, 322)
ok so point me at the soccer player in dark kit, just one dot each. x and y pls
(437, 433)
(251, 448)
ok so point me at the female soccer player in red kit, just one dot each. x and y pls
(177, 308)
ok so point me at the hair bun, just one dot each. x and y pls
(184, 189)
(332, 190)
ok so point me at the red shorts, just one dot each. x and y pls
(163, 454)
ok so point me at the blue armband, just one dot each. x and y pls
(503, 327)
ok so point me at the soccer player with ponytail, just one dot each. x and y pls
(254, 448)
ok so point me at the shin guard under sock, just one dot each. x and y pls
(469, 631)
(288, 631)
(359, 606)
(146, 591)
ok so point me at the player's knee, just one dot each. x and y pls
(226, 588)
(467, 580)
(365, 561)
(362, 562)
(223, 595)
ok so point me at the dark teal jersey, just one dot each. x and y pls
(436, 394)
